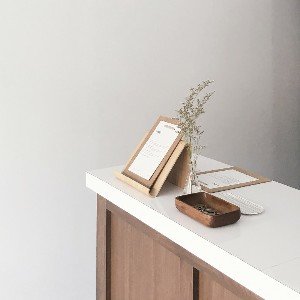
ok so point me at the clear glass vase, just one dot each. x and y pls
(192, 185)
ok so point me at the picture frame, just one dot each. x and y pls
(259, 179)
(149, 183)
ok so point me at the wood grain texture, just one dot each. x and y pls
(186, 280)
(181, 171)
(211, 290)
(171, 165)
(120, 252)
(149, 183)
(183, 254)
(228, 213)
(136, 185)
(103, 250)
(141, 268)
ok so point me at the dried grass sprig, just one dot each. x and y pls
(191, 109)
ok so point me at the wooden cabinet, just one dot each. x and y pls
(210, 289)
(134, 262)
(141, 268)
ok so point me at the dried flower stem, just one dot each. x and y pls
(188, 114)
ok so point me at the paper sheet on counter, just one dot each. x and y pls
(224, 178)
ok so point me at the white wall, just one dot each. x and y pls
(286, 91)
(81, 81)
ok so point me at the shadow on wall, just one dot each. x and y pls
(286, 90)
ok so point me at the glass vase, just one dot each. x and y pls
(192, 185)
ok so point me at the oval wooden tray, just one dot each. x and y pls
(229, 213)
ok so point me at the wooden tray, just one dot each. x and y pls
(229, 213)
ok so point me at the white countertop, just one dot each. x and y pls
(260, 252)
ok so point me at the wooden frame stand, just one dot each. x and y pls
(175, 171)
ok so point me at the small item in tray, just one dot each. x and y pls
(206, 210)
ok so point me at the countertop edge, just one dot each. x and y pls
(246, 275)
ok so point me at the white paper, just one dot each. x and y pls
(224, 178)
(154, 150)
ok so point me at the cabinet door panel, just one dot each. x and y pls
(212, 290)
(141, 268)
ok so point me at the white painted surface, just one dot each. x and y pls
(246, 251)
